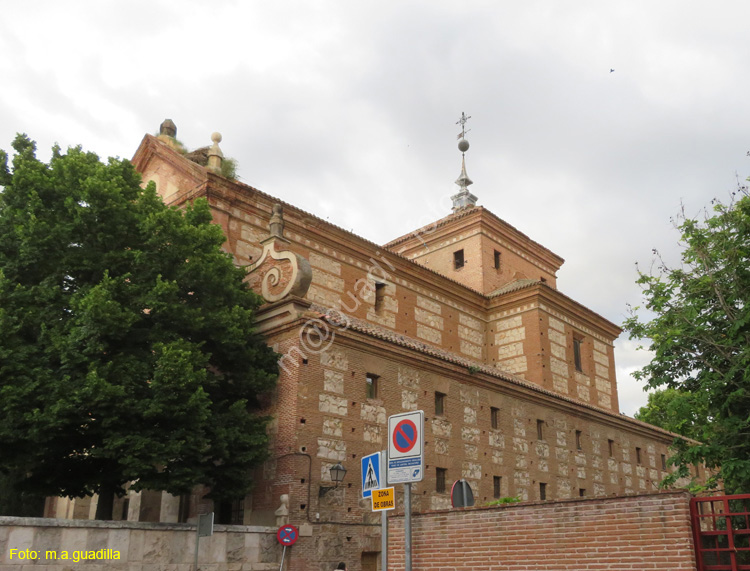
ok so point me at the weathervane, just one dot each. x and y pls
(464, 198)
(462, 121)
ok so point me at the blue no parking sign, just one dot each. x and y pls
(287, 535)
(406, 447)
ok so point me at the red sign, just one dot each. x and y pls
(405, 435)
(287, 535)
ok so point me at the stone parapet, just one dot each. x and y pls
(61, 545)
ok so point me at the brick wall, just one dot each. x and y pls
(624, 533)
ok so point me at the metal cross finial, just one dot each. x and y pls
(462, 121)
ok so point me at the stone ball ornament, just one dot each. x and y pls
(463, 145)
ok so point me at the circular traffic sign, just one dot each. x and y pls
(405, 435)
(287, 535)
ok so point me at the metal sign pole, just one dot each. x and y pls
(407, 526)
(197, 539)
(384, 540)
(203, 528)
(283, 554)
(384, 514)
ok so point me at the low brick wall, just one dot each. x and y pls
(620, 533)
(139, 546)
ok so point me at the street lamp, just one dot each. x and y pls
(337, 475)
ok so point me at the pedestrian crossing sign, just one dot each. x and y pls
(371, 474)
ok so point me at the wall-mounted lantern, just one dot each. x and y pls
(337, 476)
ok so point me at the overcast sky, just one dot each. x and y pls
(347, 109)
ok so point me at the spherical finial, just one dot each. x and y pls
(463, 145)
(216, 137)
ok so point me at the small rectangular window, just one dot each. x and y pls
(439, 404)
(495, 417)
(637, 455)
(371, 386)
(539, 429)
(238, 511)
(497, 260)
(458, 259)
(440, 474)
(542, 491)
(496, 486)
(231, 512)
(577, 342)
(379, 296)
(663, 462)
(578, 440)
(581, 492)
(611, 448)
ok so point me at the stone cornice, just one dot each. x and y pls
(152, 148)
(349, 331)
(563, 307)
(479, 218)
(313, 232)
(259, 204)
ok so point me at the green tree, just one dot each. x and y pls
(127, 346)
(678, 411)
(699, 334)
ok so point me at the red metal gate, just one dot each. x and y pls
(721, 529)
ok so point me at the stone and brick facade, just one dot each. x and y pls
(461, 319)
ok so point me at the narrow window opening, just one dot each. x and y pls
(539, 429)
(371, 386)
(379, 296)
(126, 507)
(577, 342)
(578, 440)
(542, 491)
(611, 448)
(439, 404)
(497, 260)
(637, 455)
(581, 492)
(495, 417)
(440, 474)
(458, 259)
(663, 462)
(496, 486)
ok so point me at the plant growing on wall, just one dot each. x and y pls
(127, 343)
(504, 501)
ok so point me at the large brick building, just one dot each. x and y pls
(461, 319)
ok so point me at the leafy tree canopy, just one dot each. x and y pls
(678, 411)
(700, 338)
(127, 346)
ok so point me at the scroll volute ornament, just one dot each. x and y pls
(279, 271)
